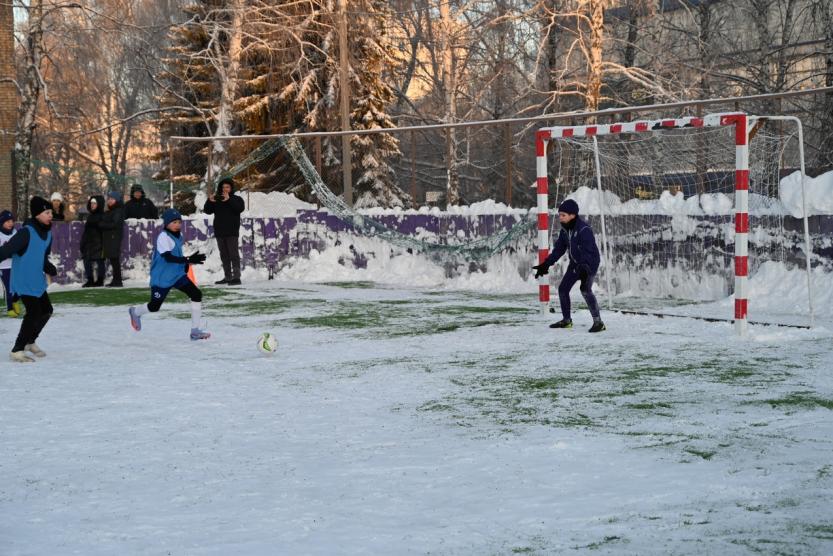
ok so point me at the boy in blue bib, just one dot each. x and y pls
(29, 251)
(169, 269)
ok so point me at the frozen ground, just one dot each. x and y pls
(411, 422)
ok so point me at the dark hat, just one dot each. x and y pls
(569, 206)
(37, 205)
(136, 187)
(169, 216)
(5, 216)
(115, 195)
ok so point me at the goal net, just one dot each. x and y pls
(685, 210)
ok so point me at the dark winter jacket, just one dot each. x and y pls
(112, 228)
(20, 242)
(59, 214)
(92, 241)
(141, 208)
(226, 214)
(577, 240)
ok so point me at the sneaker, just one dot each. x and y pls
(223, 281)
(115, 285)
(135, 320)
(20, 357)
(563, 323)
(17, 306)
(597, 327)
(12, 313)
(197, 334)
(34, 350)
(234, 282)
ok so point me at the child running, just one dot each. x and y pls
(169, 269)
(29, 251)
(7, 232)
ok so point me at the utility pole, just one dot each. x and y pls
(344, 78)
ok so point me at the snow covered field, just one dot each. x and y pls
(414, 421)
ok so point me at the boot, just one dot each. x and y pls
(598, 326)
(234, 282)
(88, 284)
(197, 334)
(223, 281)
(115, 284)
(563, 323)
(34, 350)
(99, 283)
(20, 357)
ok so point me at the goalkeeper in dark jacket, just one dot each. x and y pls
(577, 240)
(169, 269)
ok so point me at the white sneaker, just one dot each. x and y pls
(35, 350)
(20, 357)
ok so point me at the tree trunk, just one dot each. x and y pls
(594, 79)
(228, 70)
(449, 81)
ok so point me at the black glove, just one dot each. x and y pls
(583, 271)
(541, 269)
(196, 258)
(50, 269)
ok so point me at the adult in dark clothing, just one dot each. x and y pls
(226, 208)
(140, 206)
(29, 250)
(112, 232)
(57, 207)
(92, 243)
(577, 240)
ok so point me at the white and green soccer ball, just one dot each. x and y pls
(267, 343)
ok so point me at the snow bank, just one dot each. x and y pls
(264, 205)
(818, 191)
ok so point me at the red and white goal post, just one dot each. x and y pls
(742, 124)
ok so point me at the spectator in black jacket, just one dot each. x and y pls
(92, 243)
(140, 206)
(226, 208)
(112, 227)
(57, 207)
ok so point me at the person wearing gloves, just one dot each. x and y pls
(577, 240)
(169, 269)
(29, 251)
(7, 232)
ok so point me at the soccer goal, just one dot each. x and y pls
(685, 210)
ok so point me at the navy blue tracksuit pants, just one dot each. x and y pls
(586, 288)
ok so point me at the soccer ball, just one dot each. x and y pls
(267, 343)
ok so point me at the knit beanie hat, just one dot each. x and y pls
(37, 205)
(115, 195)
(57, 197)
(569, 206)
(5, 216)
(169, 216)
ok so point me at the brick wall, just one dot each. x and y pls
(8, 103)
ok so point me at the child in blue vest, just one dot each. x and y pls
(29, 250)
(169, 269)
(577, 241)
(7, 232)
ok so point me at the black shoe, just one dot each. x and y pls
(223, 281)
(235, 282)
(115, 285)
(597, 327)
(98, 284)
(563, 323)
(88, 284)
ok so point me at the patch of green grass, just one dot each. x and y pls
(344, 318)
(705, 454)
(111, 297)
(648, 405)
(820, 531)
(800, 400)
(359, 285)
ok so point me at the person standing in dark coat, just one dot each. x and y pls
(226, 208)
(92, 243)
(577, 240)
(57, 207)
(112, 228)
(140, 206)
(29, 251)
